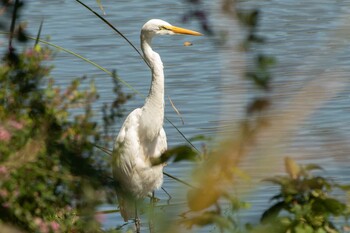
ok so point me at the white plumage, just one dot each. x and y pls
(142, 136)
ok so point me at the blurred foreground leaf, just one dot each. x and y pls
(305, 199)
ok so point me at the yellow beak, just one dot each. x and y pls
(185, 31)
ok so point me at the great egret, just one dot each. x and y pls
(142, 137)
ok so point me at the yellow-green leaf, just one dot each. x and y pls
(292, 168)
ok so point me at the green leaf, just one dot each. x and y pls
(303, 228)
(276, 197)
(316, 183)
(258, 105)
(261, 79)
(318, 206)
(317, 220)
(328, 206)
(334, 206)
(290, 189)
(183, 152)
(320, 230)
(199, 138)
(265, 61)
(343, 187)
(280, 180)
(272, 212)
(310, 167)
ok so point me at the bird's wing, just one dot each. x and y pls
(127, 144)
(129, 128)
(126, 148)
(161, 146)
(127, 205)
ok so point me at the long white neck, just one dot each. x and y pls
(153, 110)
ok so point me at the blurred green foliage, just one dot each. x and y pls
(51, 173)
(305, 203)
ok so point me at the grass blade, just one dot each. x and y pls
(115, 29)
(178, 130)
(178, 180)
(88, 61)
(176, 110)
(13, 24)
(39, 33)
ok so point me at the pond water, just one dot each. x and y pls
(309, 39)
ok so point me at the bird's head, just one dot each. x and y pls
(160, 27)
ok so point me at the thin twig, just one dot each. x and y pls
(176, 110)
(178, 180)
(170, 197)
(187, 140)
(107, 211)
(107, 151)
(39, 34)
(13, 24)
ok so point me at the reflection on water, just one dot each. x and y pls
(303, 36)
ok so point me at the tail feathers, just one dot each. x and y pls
(127, 206)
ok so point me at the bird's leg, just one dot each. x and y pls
(137, 220)
(151, 214)
(170, 197)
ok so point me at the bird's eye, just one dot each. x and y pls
(163, 28)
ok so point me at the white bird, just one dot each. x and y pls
(142, 137)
